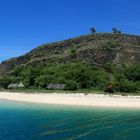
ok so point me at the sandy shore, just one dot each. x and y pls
(75, 99)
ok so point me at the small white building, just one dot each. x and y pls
(16, 85)
(56, 86)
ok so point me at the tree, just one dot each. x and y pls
(71, 85)
(41, 81)
(5, 81)
(115, 30)
(127, 86)
(111, 87)
(132, 72)
(93, 30)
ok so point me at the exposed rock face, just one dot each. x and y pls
(98, 49)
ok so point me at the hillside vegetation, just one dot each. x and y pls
(102, 61)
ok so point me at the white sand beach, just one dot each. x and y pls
(80, 99)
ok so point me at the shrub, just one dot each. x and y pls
(73, 52)
(110, 68)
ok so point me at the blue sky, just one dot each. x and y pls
(25, 24)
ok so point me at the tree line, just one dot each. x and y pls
(77, 76)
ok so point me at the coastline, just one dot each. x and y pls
(78, 99)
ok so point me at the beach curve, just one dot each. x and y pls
(80, 99)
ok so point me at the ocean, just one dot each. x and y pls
(28, 121)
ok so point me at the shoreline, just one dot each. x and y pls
(75, 99)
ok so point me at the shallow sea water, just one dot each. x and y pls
(27, 121)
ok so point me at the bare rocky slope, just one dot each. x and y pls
(95, 49)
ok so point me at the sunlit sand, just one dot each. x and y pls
(75, 99)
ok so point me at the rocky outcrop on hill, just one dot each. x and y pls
(95, 49)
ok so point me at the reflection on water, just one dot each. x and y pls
(51, 122)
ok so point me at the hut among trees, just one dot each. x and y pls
(16, 85)
(56, 86)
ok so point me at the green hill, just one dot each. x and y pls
(103, 53)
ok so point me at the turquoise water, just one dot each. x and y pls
(26, 121)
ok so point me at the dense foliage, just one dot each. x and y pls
(77, 76)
